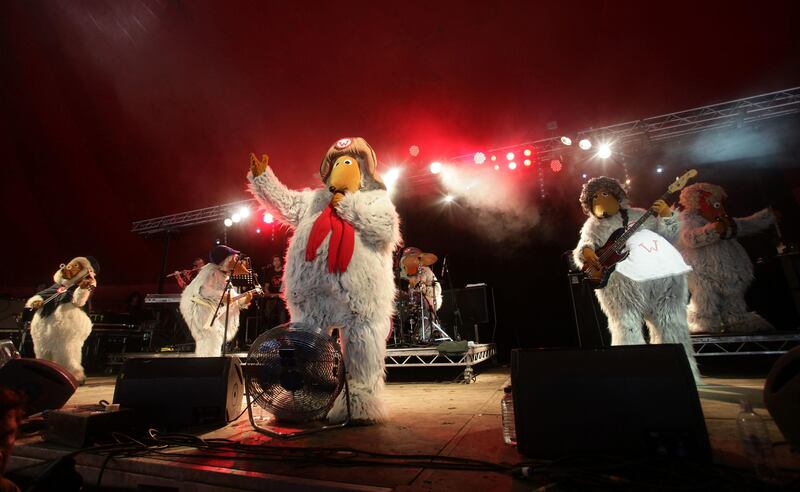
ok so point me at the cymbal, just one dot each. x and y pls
(424, 259)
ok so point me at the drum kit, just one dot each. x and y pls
(415, 321)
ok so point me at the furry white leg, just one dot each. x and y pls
(208, 343)
(704, 307)
(69, 356)
(364, 347)
(669, 319)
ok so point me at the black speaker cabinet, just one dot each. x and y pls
(782, 395)
(178, 392)
(623, 401)
(476, 305)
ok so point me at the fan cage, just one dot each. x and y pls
(294, 374)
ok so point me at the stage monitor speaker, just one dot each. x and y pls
(590, 322)
(45, 384)
(782, 395)
(636, 400)
(178, 392)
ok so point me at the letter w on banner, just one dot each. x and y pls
(650, 250)
(651, 257)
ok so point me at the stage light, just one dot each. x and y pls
(585, 144)
(217, 241)
(436, 167)
(556, 166)
(627, 181)
(566, 140)
(494, 158)
(228, 222)
(510, 156)
(659, 169)
(413, 150)
(512, 165)
(479, 158)
(236, 217)
(258, 231)
(497, 167)
(390, 178)
(244, 212)
(527, 162)
(449, 198)
(604, 151)
(584, 176)
(527, 152)
(268, 218)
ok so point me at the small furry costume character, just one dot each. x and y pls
(722, 271)
(339, 263)
(660, 302)
(199, 302)
(61, 325)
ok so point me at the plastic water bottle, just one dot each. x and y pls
(755, 439)
(507, 411)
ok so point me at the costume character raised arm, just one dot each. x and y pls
(60, 325)
(653, 287)
(722, 270)
(338, 268)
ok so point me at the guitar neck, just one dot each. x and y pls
(636, 225)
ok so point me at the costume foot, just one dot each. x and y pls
(365, 409)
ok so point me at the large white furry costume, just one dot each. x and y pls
(722, 271)
(660, 303)
(199, 302)
(60, 327)
(360, 299)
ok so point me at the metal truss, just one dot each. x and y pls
(744, 344)
(731, 114)
(186, 219)
(430, 357)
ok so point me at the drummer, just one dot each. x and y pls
(414, 266)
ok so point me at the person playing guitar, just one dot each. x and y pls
(638, 275)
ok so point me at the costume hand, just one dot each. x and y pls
(661, 208)
(257, 167)
(721, 226)
(88, 283)
(590, 257)
(337, 197)
(36, 304)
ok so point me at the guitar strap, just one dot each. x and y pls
(624, 213)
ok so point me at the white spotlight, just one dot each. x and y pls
(510, 156)
(584, 176)
(604, 151)
(390, 178)
(585, 144)
(268, 218)
(236, 217)
(228, 222)
(566, 140)
(479, 158)
(244, 212)
(449, 198)
(659, 169)
(512, 165)
(436, 167)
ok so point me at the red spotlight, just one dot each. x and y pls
(494, 157)
(479, 158)
(556, 165)
(497, 167)
(527, 152)
(268, 218)
(512, 165)
(510, 156)
(258, 231)
(527, 162)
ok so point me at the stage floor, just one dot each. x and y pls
(444, 419)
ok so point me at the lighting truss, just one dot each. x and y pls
(187, 219)
(731, 114)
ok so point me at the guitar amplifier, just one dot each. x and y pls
(476, 304)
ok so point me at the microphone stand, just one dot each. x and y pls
(227, 306)
(457, 320)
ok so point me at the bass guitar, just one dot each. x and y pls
(614, 251)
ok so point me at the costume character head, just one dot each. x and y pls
(602, 197)
(706, 200)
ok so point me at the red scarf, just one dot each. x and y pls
(343, 239)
